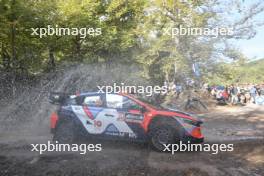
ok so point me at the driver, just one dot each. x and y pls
(99, 102)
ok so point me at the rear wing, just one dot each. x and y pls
(58, 98)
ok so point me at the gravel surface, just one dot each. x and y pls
(241, 126)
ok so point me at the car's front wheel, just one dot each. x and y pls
(163, 134)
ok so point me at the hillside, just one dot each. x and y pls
(253, 72)
(256, 63)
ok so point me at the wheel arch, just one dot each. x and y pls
(161, 120)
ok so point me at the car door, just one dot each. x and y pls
(89, 112)
(134, 116)
(126, 115)
(114, 116)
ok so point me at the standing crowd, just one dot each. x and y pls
(238, 94)
(232, 94)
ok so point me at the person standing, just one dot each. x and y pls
(225, 94)
(253, 93)
(234, 93)
(178, 89)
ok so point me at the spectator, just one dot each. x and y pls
(178, 88)
(253, 93)
(234, 93)
(225, 94)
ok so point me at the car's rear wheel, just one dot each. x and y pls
(65, 133)
(162, 135)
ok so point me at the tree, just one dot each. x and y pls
(183, 51)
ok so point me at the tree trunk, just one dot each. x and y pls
(13, 36)
(52, 64)
(6, 59)
(77, 48)
(13, 50)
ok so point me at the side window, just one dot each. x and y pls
(118, 101)
(130, 104)
(114, 101)
(94, 100)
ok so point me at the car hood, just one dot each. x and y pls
(175, 112)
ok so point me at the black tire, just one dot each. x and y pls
(163, 134)
(65, 133)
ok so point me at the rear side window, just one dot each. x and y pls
(71, 101)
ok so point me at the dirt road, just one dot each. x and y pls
(242, 126)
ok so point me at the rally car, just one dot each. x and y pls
(120, 116)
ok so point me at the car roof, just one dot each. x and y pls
(104, 93)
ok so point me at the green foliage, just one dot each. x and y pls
(238, 72)
(132, 31)
(171, 58)
(23, 52)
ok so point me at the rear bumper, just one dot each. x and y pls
(53, 122)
